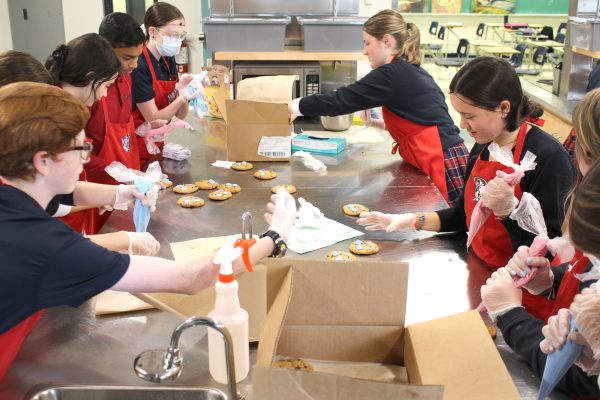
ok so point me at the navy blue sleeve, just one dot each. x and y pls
(523, 334)
(78, 270)
(66, 199)
(141, 83)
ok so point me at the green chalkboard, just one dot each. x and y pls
(542, 6)
(532, 6)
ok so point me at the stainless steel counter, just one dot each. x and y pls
(74, 347)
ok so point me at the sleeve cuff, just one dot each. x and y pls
(62, 210)
(295, 106)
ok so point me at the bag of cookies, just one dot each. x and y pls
(218, 78)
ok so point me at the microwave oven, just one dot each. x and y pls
(308, 75)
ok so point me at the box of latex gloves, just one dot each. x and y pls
(258, 122)
(317, 144)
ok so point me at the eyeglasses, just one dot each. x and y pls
(85, 150)
(173, 36)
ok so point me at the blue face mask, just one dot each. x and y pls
(169, 47)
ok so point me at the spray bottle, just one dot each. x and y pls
(228, 311)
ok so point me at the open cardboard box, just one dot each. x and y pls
(247, 122)
(354, 312)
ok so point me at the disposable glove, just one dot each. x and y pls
(499, 196)
(184, 81)
(375, 221)
(127, 194)
(142, 244)
(371, 121)
(555, 331)
(281, 214)
(521, 264)
(499, 293)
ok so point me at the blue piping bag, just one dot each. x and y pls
(558, 363)
(141, 213)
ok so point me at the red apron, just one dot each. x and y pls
(120, 145)
(492, 244)
(11, 341)
(165, 93)
(569, 286)
(420, 146)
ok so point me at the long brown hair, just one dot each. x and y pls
(16, 66)
(584, 224)
(160, 14)
(407, 35)
(487, 81)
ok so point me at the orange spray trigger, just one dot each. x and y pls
(244, 243)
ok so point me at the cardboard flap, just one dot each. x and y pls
(221, 97)
(457, 351)
(256, 113)
(279, 383)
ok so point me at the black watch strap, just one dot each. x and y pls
(280, 246)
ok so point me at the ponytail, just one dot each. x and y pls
(408, 39)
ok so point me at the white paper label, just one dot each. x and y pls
(275, 146)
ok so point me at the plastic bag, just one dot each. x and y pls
(308, 215)
(198, 84)
(143, 182)
(311, 162)
(505, 157)
(176, 152)
(151, 136)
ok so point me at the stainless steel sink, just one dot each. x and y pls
(76, 392)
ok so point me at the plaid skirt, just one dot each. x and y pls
(455, 161)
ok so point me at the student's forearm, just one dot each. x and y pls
(115, 241)
(94, 194)
(432, 222)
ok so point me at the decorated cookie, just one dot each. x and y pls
(166, 183)
(242, 166)
(354, 210)
(190, 202)
(340, 256)
(294, 363)
(185, 188)
(207, 184)
(289, 188)
(364, 247)
(230, 187)
(265, 174)
(219, 195)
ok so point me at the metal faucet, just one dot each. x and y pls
(160, 366)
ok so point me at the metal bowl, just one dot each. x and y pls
(337, 123)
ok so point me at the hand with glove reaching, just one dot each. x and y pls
(183, 86)
(127, 194)
(499, 196)
(281, 214)
(499, 293)
(521, 264)
(375, 221)
(142, 244)
(586, 311)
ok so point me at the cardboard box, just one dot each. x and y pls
(355, 312)
(251, 123)
(317, 144)
(218, 77)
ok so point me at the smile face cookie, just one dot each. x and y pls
(230, 187)
(291, 189)
(185, 188)
(166, 183)
(220, 195)
(242, 166)
(190, 202)
(354, 210)
(364, 247)
(207, 184)
(265, 174)
(341, 256)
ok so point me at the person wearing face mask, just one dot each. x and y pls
(157, 92)
(487, 95)
(414, 107)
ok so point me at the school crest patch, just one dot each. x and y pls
(126, 143)
(479, 183)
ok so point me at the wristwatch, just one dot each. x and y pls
(280, 246)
